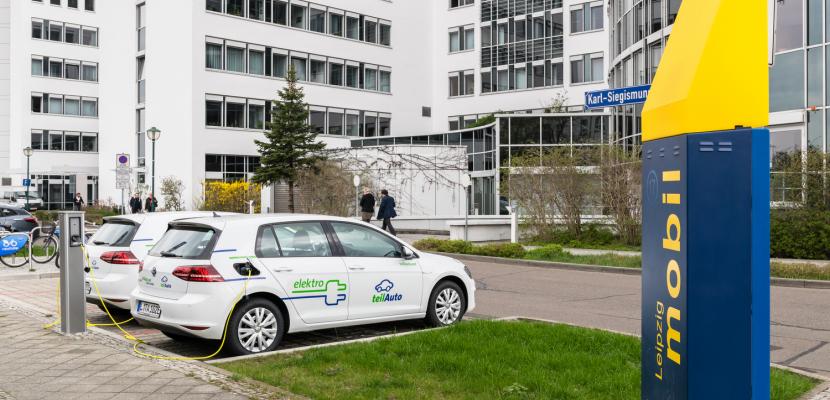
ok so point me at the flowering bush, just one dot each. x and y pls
(230, 196)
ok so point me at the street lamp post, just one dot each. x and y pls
(27, 151)
(466, 181)
(153, 134)
(356, 182)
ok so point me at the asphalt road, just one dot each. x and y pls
(800, 318)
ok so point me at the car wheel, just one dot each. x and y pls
(256, 326)
(447, 304)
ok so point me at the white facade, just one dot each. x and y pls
(172, 39)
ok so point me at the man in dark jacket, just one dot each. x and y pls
(135, 204)
(150, 204)
(386, 211)
(367, 205)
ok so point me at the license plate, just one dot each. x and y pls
(88, 287)
(152, 310)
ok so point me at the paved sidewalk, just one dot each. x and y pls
(36, 363)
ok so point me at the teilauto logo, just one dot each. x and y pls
(384, 288)
(164, 283)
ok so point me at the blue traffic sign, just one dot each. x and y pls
(27, 182)
(616, 97)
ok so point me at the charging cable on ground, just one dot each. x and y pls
(138, 341)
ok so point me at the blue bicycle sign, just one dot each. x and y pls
(12, 244)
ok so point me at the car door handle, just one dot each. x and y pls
(283, 269)
(356, 267)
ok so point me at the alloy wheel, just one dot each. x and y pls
(257, 329)
(448, 306)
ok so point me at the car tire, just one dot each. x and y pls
(256, 326)
(447, 304)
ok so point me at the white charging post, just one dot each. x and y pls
(73, 301)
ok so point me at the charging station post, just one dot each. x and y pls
(73, 301)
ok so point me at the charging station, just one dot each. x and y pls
(73, 300)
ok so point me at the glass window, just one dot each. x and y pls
(524, 131)
(37, 103)
(371, 79)
(37, 67)
(89, 142)
(71, 142)
(815, 84)
(37, 30)
(317, 120)
(72, 71)
(385, 34)
(454, 85)
(213, 113)
(184, 242)
(236, 59)
(302, 239)
(318, 71)
(234, 115)
(72, 35)
(256, 9)
(213, 56)
(37, 141)
(673, 8)
(521, 78)
(360, 241)
(384, 126)
(385, 81)
(89, 37)
(503, 80)
(256, 63)
(538, 76)
(336, 74)
(214, 5)
(815, 130)
(335, 123)
(89, 108)
(587, 129)
(597, 69)
(455, 43)
(353, 28)
(299, 65)
(55, 69)
(90, 72)
(371, 126)
(280, 65)
(235, 7)
(352, 125)
(485, 36)
(787, 82)
(55, 32)
(577, 20)
(55, 104)
(55, 141)
(256, 116)
(656, 16)
(352, 76)
(486, 85)
(469, 39)
(336, 24)
(596, 17)
(556, 130)
(317, 20)
(298, 16)
(577, 71)
(371, 32)
(789, 26)
(469, 83)
(72, 107)
(266, 244)
(280, 12)
(89, 5)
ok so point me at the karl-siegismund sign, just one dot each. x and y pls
(705, 298)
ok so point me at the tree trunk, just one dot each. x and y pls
(291, 196)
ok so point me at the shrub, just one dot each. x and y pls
(507, 250)
(230, 196)
(455, 246)
(800, 234)
(427, 244)
(548, 252)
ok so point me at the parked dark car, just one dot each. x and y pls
(16, 219)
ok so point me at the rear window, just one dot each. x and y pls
(184, 242)
(114, 233)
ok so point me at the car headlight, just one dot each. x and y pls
(467, 270)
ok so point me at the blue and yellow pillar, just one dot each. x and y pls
(705, 299)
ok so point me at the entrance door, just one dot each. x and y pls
(382, 282)
(299, 256)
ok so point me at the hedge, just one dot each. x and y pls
(803, 234)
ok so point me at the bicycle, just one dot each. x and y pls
(14, 251)
(45, 247)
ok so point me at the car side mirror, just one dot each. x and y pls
(407, 254)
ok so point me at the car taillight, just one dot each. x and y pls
(198, 273)
(120, 258)
(30, 219)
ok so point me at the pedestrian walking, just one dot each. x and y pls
(78, 202)
(135, 203)
(386, 211)
(151, 203)
(367, 205)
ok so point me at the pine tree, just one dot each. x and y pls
(290, 146)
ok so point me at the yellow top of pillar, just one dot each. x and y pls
(713, 74)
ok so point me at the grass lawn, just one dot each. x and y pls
(475, 360)
(611, 260)
(800, 271)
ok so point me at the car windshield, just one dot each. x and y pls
(22, 195)
(114, 233)
(183, 242)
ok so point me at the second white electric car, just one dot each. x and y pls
(116, 249)
(303, 272)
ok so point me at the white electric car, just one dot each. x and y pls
(303, 272)
(117, 248)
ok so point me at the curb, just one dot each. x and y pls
(29, 275)
(784, 282)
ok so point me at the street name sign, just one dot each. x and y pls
(616, 97)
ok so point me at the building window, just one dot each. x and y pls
(37, 30)
(37, 103)
(72, 34)
(71, 141)
(370, 78)
(55, 32)
(72, 106)
(299, 65)
(55, 104)
(37, 67)
(72, 4)
(461, 83)
(90, 36)
(317, 20)
(234, 115)
(213, 56)
(353, 76)
(280, 65)
(256, 116)
(486, 85)
(352, 124)
(385, 81)
(73, 71)
(236, 59)
(256, 9)
(56, 69)
(335, 24)
(586, 17)
(462, 38)
(298, 16)
(281, 12)
(335, 123)
(469, 82)
(587, 68)
(385, 34)
(353, 28)
(89, 142)
(214, 5)
(213, 113)
(317, 71)
(256, 63)
(317, 120)
(787, 82)
(235, 7)
(89, 107)
(460, 3)
(89, 5)
(335, 74)
(455, 84)
(371, 32)
(455, 41)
